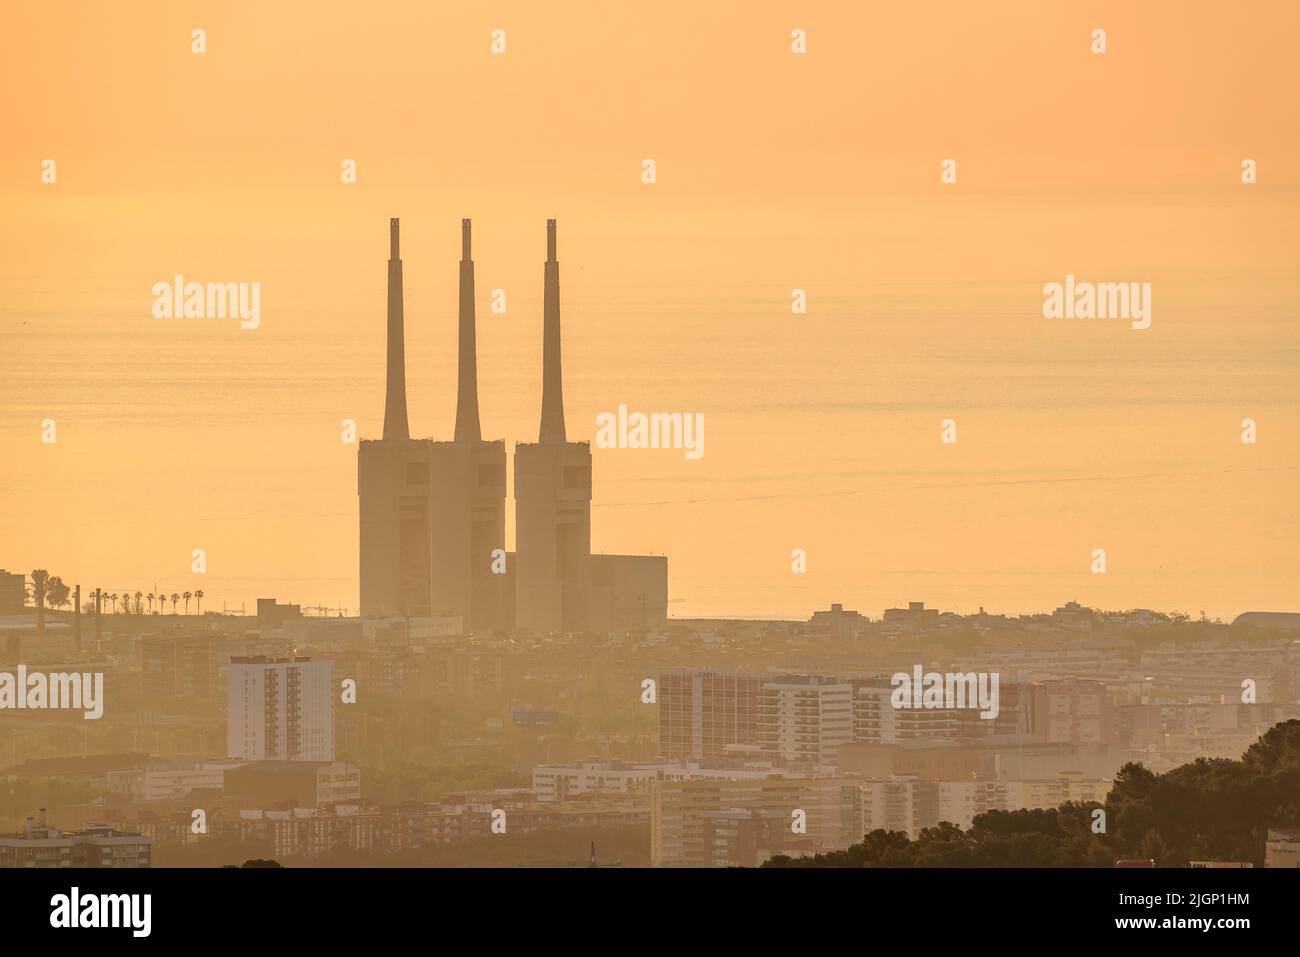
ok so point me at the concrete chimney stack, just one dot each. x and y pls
(552, 431)
(467, 423)
(395, 424)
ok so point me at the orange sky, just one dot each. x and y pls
(775, 171)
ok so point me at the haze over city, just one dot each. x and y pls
(710, 437)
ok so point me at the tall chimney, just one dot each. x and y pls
(552, 430)
(395, 426)
(467, 426)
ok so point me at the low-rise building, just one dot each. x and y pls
(1282, 848)
(98, 845)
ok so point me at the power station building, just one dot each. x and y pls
(433, 513)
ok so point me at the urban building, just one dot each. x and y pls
(914, 618)
(1282, 847)
(877, 721)
(554, 782)
(824, 812)
(838, 622)
(629, 593)
(804, 719)
(907, 803)
(703, 714)
(280, 709)
(1068, 712)
(294, 783)
(98, 845)
(552, 496)
(432, 514)
(13, 593)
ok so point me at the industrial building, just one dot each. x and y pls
(432, 513)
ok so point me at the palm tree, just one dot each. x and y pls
(139, 605)
(112, 601)
(40, 577)
(150, 597)
(187, 596)
(126, 602)
(198, 602)
(175, 599)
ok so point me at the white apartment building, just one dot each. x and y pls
(803, 719)
(280, 709)
(877, 721)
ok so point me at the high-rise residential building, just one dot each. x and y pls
(746, 837)
(705, 713)
(804, 719)
(280, 709)
(552, 496)
(1068, 712)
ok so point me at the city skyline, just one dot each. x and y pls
(443, 443)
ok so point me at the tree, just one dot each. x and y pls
(139, 603)
(1278, 750)
(150, 597)
(56, 593)
(198, 602)
(187, 596)
(1154, 848)
(40, 577)
(175, 599)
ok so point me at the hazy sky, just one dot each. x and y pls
(775, 171)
